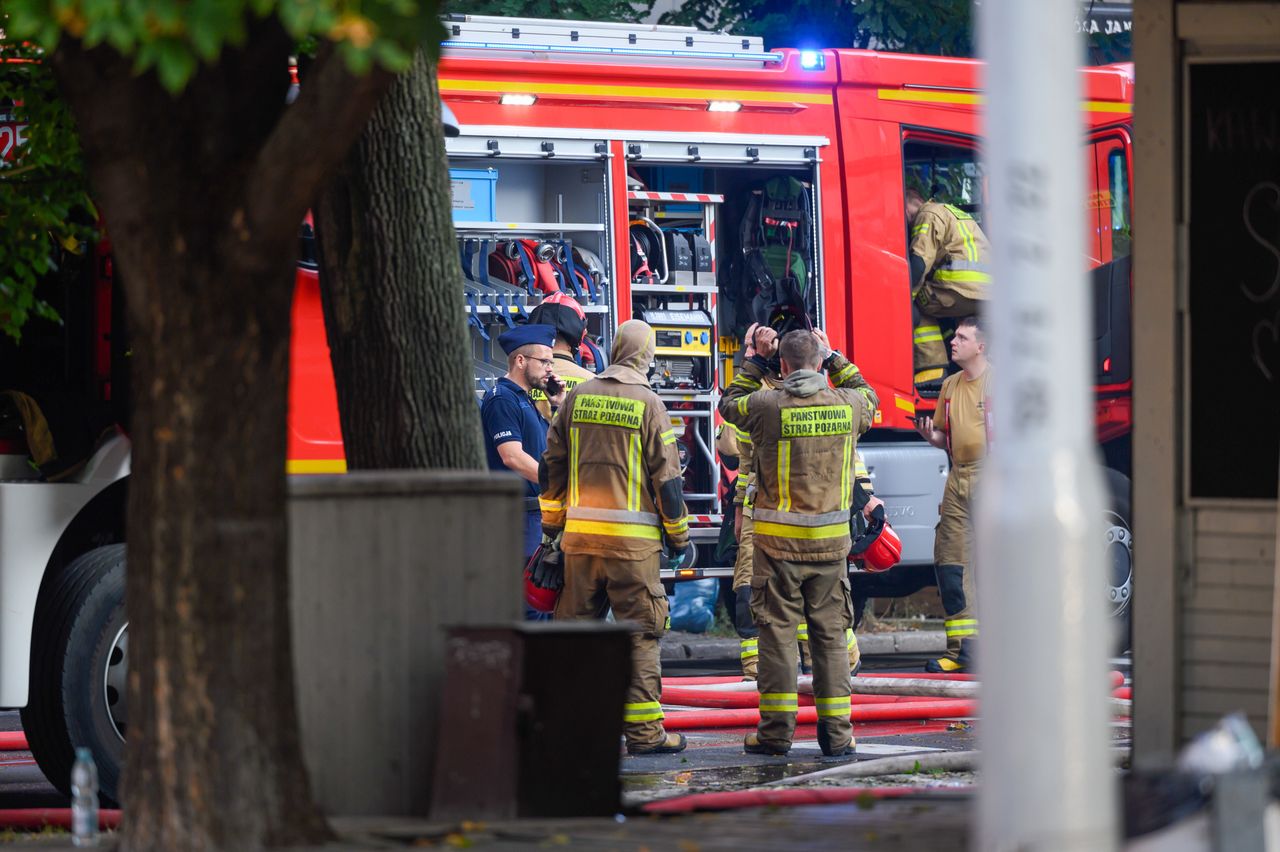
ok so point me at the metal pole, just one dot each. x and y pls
(1047, 778)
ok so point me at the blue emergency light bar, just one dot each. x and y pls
(812, 60)
(768, 57)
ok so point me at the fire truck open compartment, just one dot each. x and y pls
(527, 225)
(538, 213)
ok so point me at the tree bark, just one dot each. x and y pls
(392, 291)
(203, 194)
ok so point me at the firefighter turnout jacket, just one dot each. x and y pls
(611, 476)
(955, 252)
(803, 438)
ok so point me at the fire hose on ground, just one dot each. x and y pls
(37, 818)
(775, 797)
(710, 699)
(684, 720)
(733, 703)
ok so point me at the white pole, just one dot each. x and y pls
(1047, 779)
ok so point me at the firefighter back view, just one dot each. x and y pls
(804, 435)
(735, 442)
(611, 487)
(949, 277)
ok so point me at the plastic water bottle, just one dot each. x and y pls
(84, 799)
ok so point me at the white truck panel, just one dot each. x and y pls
(33, 517)
(909, 478)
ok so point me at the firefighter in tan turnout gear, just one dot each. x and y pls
(736, 443)
(959, 426)
(803, 437)
(949, 277)
(611, 484)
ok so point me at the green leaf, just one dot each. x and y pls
(205, 41)
(175, 64)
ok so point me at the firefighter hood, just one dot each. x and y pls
(632, 354)
(804, 383)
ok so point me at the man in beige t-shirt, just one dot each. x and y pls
(962, 429)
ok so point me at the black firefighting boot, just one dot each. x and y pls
(824, 743)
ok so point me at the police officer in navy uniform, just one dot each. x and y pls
(515, 434)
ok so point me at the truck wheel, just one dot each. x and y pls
(1119, 544)
(80, 653)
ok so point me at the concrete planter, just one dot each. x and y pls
(380, 563)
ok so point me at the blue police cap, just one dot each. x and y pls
(525, 335)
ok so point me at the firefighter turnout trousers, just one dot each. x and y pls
(782, 593)
(953, 558)
(632, 588)
(929, 352)
(749, 646)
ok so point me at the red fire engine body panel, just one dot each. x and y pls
(866, 104)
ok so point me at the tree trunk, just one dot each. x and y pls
(392, 291)
(214, 759)
(203, 194)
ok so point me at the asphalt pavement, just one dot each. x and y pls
(870, 815)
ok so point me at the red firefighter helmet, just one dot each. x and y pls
(542, 600)
(562, 311)
(879, 547)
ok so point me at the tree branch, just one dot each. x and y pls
(311, 138)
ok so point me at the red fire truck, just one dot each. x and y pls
(626, 165)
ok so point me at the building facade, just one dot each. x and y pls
(1206, 366)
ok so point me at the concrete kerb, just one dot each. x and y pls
(676, 647)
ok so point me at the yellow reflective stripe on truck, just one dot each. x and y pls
(315, 466)
(928, 96)
(499, 87)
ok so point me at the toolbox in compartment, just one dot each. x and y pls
(475, 193)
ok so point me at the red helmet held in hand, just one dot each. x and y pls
(879, 547)
(542, 600)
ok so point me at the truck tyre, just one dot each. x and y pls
(78, 665)
(1119, 558)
